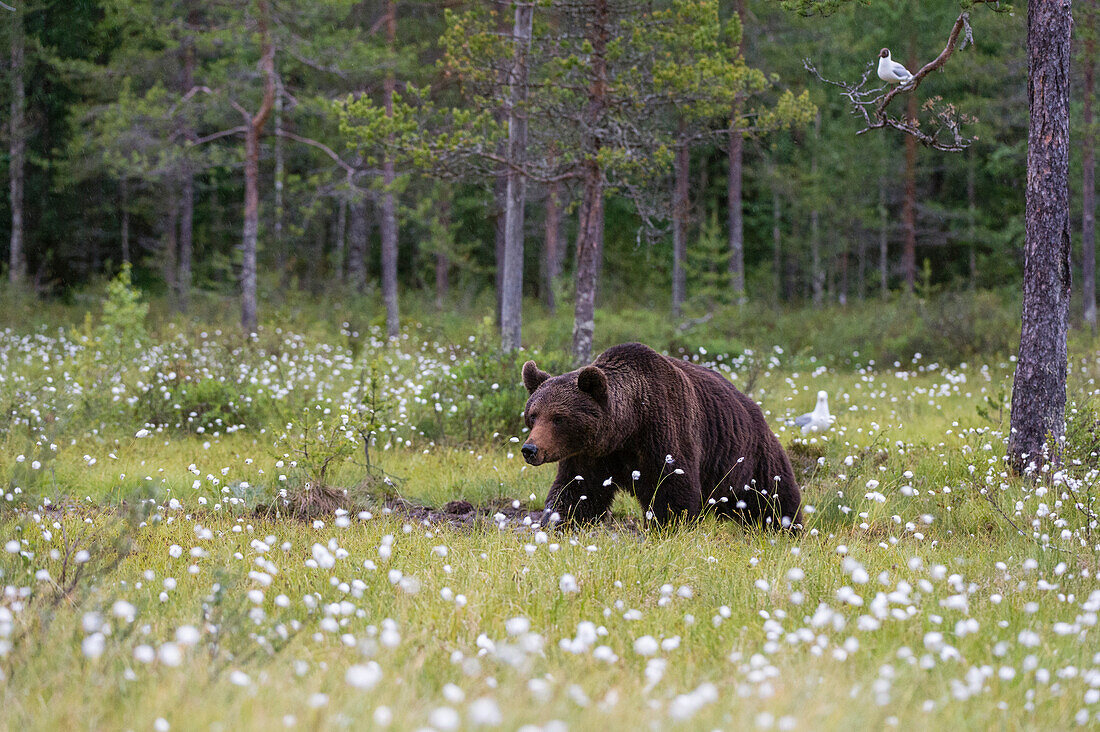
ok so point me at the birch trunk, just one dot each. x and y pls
(511, 311)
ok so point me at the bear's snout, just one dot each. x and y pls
(530, 452)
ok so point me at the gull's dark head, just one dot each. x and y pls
(884, 53)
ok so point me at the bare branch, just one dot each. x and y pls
(945, 131)
(348, 168)
(962, 21)
(218, 135)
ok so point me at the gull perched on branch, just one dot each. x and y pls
(890, 70)
(818, 420)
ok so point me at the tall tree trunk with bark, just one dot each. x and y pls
(389, 204)
(733, 185)
(249, 321)
(442, 257)
(17, 147)
(339, 247)
(280, 173)
(185, 244)
(186, 238)
(679, 223)
(500, 180)
(254, 126)
(500, 196)
(552, 247)
(777, 242)
(358, 234)
(511, 312)
(1088, 187)
(736, 215)
(1039, 388)
(909, 206)
(817, 273)
(842, 287)
(590, 230)
(170, 251)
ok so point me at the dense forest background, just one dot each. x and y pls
(133, 141)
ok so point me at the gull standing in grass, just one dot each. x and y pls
(818, 420)
(890, 70)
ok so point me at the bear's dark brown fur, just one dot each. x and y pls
(695, 442)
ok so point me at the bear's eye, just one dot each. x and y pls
(557, 419)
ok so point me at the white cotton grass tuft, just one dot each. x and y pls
(363, 676)
(646, 645)
(484, 712)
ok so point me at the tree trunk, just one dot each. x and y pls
(842, 288)
(1088, 187)
(389, 205)
(358, 236)
(777, 242)
(733, 185)
(909, 206)
(442, 259)
(589, 246)
(590, 230)
(883, 241)
(551, 259)
(251, 224)
(339, 247)
(736, 215)
(170, 252)
(185, 243)
(186, 239)
(972, 218)
(816, 273)
(500, 181)
(511, 312)
(1039, 388)
(500, 194)
(388, 228)
(253, 129)
(280, 174)
(17, 146)
(124, 215)
(679, 223)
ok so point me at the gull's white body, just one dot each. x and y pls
(890, 70)
(818, 420)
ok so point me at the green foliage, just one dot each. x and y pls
(706, 267)
(481, 398)
(320, 440)
(206, 405)
(123, 325)
(1082, 443)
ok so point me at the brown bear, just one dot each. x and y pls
(678, 437)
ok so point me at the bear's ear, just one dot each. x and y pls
(593, 381)
(533, 376)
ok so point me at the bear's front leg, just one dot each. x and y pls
(578, 498)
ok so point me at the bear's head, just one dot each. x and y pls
(565, 414)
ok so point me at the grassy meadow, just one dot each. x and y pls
(165, 564)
